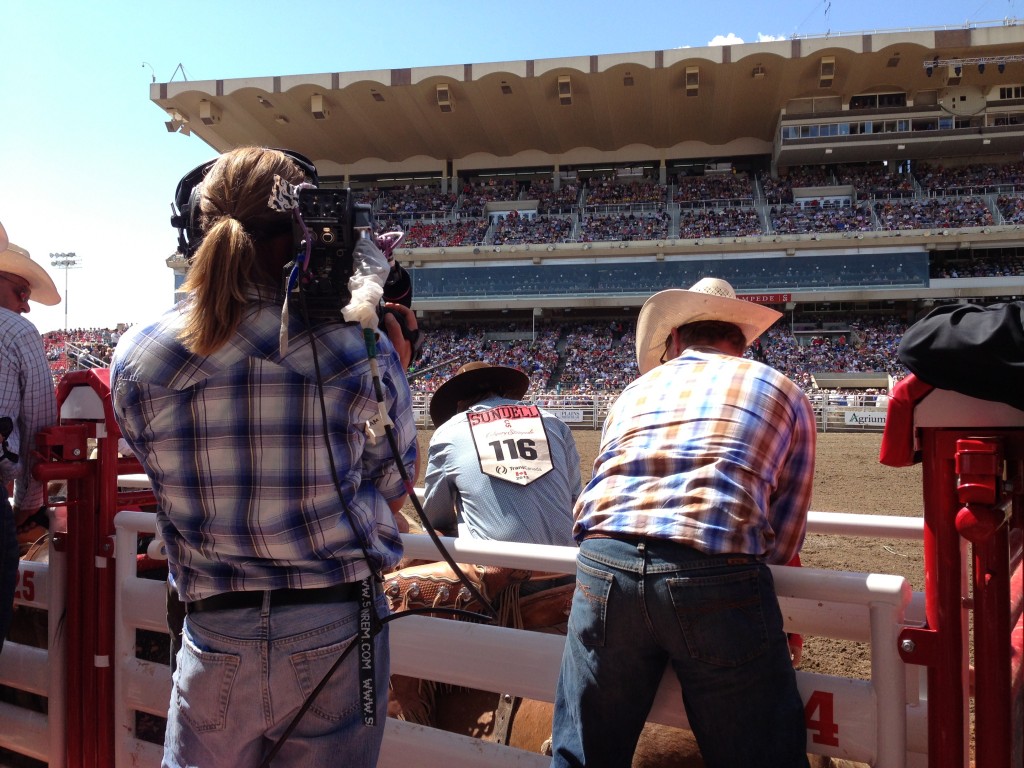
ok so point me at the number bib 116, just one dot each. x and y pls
(511, 443)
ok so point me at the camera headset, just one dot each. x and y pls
(333, 213)
(185, 210)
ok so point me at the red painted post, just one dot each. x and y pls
(982, 521)
(944, 611)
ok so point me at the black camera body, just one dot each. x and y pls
(334, 222)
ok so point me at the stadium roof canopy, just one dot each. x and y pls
(710, 104)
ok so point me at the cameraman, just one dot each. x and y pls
(271, 518)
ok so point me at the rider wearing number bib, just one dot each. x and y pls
(505, 469)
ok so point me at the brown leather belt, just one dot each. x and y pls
(339, 593)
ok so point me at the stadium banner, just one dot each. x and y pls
(874, 418)
(766, 298)
(568, 416)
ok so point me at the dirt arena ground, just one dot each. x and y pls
(847, 478)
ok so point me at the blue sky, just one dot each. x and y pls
(87, 165)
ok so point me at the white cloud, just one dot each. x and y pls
(730, 39)
(763, 38)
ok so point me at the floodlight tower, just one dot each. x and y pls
(65, 261)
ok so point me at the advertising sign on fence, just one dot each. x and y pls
(568, 416)
(875, 418)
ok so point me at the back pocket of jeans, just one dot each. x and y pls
(721, 617)
(340, 696)
(590, 604)
(202, 685)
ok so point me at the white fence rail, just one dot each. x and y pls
(881, 721)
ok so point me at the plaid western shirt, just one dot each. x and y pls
(234, 446)
(27, 397)
(710, 450)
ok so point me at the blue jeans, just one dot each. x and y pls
(242, 674)
(9, 559)
(639, 606)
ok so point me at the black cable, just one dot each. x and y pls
(389, 432)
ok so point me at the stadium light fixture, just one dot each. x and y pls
(67, 262)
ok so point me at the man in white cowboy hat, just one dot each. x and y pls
(26, 400)
(703, 477)
(506, 469)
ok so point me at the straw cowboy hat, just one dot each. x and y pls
(708, 299)
(472, 379)
(16, 261)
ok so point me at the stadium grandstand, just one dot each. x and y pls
(851, 181)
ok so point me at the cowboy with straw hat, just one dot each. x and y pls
(710, 299)
(703, 478)
(27, 405)
(30, 280)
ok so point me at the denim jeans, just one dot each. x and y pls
(9, 559)
(639, 606)
(242, 674)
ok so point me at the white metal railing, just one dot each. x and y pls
(35, 670)
(880, 720)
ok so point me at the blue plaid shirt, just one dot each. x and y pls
(709, 450)
(234, 446)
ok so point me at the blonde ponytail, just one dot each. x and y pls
(227, 263)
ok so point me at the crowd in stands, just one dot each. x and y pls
(934, 213)
(779, 189)
(1011, 208)
(414, 203)
(978, 266)
(589, 359)
(515, 229)
(874, 181)
(724, 222)
(827, 217)
(475, 195)
(624, 226)
(79, 348)
(564, 200)
(584, 358)
(972, 179)
(445, 234)
(604, 191)
(593, 358)
(717, 189)
(706, 206)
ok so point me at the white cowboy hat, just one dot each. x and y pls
(16, 261)
(3, 238)
(708, 299)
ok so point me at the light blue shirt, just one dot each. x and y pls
(494, 508)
